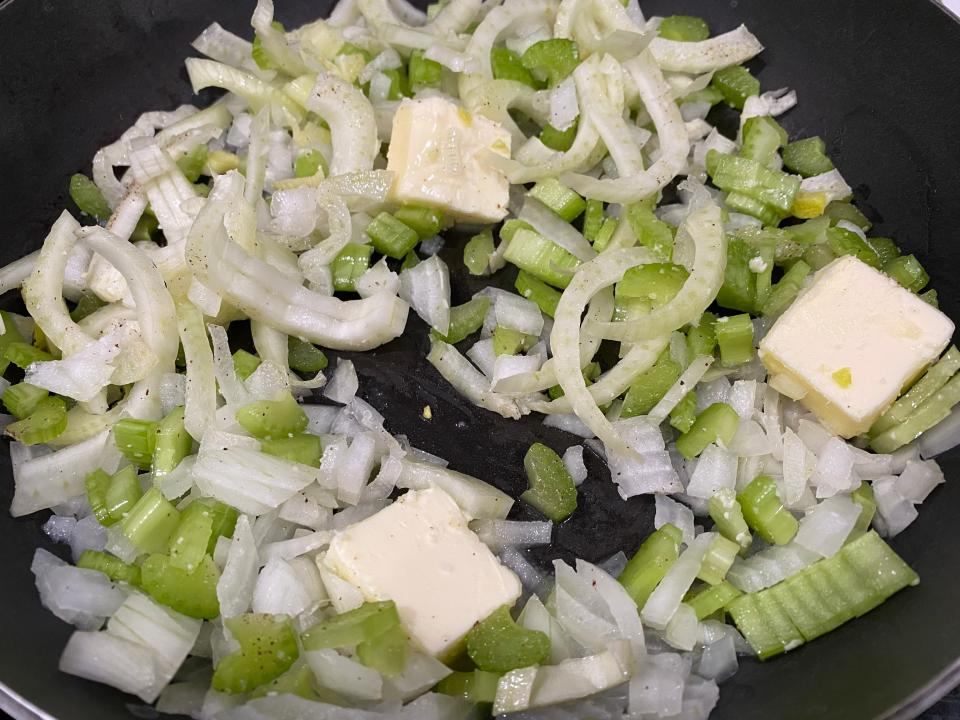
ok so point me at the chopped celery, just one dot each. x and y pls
(498, 644)
(366, 622)
(510, 228)
(863, 496)
(298, 680)
(475, 686)
(386, 653)
(122, 493)
(727, 516)
(410, 260)
(807, 157)
(193, 593)
(273, 418)
(552, 59)
(590, 372)
(304, 357)
(224, 521)
(268, 647)
(882, 569)
(88, 302)
(684, 414)
(650, 231)
(10, 335)
(137, 440)
(391, 237)
(752, 179)
(650, 563)
(465, 320)
(649, 386)
(708, 600)
(787, 289)
(425, 222)
(507, 341)
(24, 354)
(192, 164)
(220, 162)
(657, 283)
(716, 424)
(764, 511)
(559, 140)
(352, 262)
(592, 219)
(605, 234)
(540, 257)
(754, 627)
(538, 291)
(477, 252)
(739, 289)
(552, 491)
(308, 163)
(190, 540)
(96, 484)
(933, 380)
(907, 271)
(47, 422)
(929, 413)
(717, 561)
(150, 522)
(559, 198)
(684, 28)
(702, 337)
(22, 399)
(259, 53)
(885, 248)
(838, 210)
(507, 65)
(422, 72)
(87, 196)
(736, 84)
(173, 443)
(301, 448)
(709, 95)
(735, 339)
(762, 137)
(399, 85)
(245, 363)
(846, 242)
(112, 567)
(930, 297)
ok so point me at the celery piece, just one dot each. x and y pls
(838, 210)
(799, 600)
(605, 234)
(684, 414)
(735, 339)
(23, 355)
(96, 484)
(684, 28)
(366, 622)
(702, 337)
(846, 242)
(559, 198)
(477, 252)
(507, 65)
(936, 376)
(10, 335)
(259, 54)
(391, 237)
(224, 521)
(843, 577)
(559, 140)
(304, 357)
(930, 297)
(349, 48)
(475, 686)
(88, 198)
(540, 257)
(907, 271)
(929, 413)
(552, 491)
(245, 363)
(112, 567)
(807, 157)
(747, 205)
(537, 291)
(498, 644)
(510, 227)
(779, 622)
(650, 563)
(302, 448)
(708, 95)
(727, 516)
(422, 73)
(650, 231)
(352, 262)
(752, 179)
(552, 60)
(22, 399)
(122, 493)
(507, 341)
(739, 289)
(590, 372)
(173, 443)
(273, 418)
(736, 84)
(592, 219)
(465, 320)
(885, 248)
(88, 303)
(765, 513)
(753, 625)
(298, 680)
(220, 162)
(47, 422)
(716, 424)
(192, 593)
(137, 440)
(386, 653)
(717, 561)
(711, 598)
(308, 163)
(190, 540)
(268, 647)
(787, 289)
(762, 138)
(150, 522)
(410, 260)
(399, 85)
(192, 164)
(657, 283)
(878, 565)
(649, 387)
(425, 222)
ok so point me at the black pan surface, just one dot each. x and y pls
(876, 80)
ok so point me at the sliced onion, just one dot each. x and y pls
(730, 48)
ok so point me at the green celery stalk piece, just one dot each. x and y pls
(424, 221)
(304, 357)
(23, 354)
(88, 302)
(702, 337)
(838, 210)
(193, 594)
(150, 522)
(268, 647)
(932, 381)
(477, 252)
(189, 542)
(507, 341)
(650, 563)
(192, 164)
(498, 644)
(386, 653)
(846, 242)
(649, 387)
(22, 399)
(878, 565)
(47, 422)
(807, 157)
(137, 440)
(96, 484)
(122, 493)
(474, 686)
(352, 262)
(593, 218)
(552, 491)
(735, 338)
(727, 516)
(709, 599)
(173, 443)
(537, 291)
(559, 140)
(929, 413)
(684, 414)
(245, 363)
(754, 180)
(465, 320)
(112, 567)
(716, 424)
(779, 622)
(717, 561)
(507, 65)
(650, 231)
(87, 196)
(298, 680)
(559, 198)
(552, 60)
(423, 72)
(753, 625)
(273, 418)
(764, 511)
(739, 289)
(907, 271)
(308, 163)
(391, 237)
(786, 290)
(302, 448)
(10, 335)
(762, 138)
(540, 257)
(684, 28)
(863, 496)
(657, 283)
(736, 84)
(353, 627)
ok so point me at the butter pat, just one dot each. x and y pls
(850, 343)
(437, 153)
(420, 553)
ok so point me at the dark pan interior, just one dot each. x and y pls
(876, 81)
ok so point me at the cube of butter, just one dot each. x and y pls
(850, 343)
(437, 156)
(420, 553)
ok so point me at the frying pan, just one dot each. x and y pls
(875, 80)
